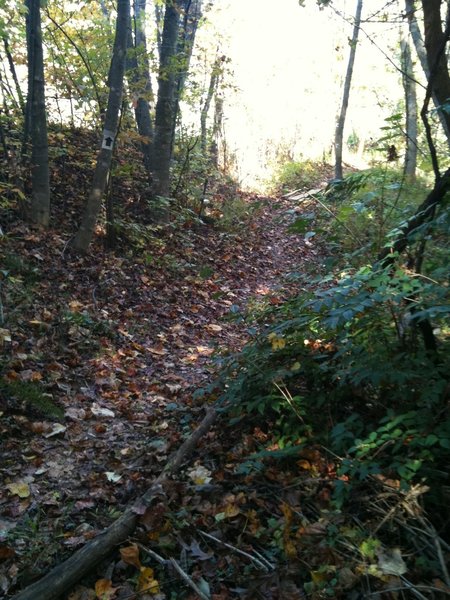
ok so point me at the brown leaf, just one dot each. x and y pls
(6, 552)
(158, 350)
(130, 555)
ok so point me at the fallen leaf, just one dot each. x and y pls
(146, 582)
(20, 488)
(130, 556)
(213, 327)
(5, 336)
(56, 430)
(158, 350)
(200, 475)
(98, 411)
(6, 552)
(391, 562)
(104, 589)
(277, 341)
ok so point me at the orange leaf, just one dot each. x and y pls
(104, 589)
(130, 555)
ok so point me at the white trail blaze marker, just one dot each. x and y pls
(108, 140)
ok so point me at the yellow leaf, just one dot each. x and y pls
(296, 366)
(104, 589)
(130, 555)
(318, 577)
(305, 465)
(20, 488)
(146, 582)
(289, 548)
(232, 510)
(277, 341)
(287, 513)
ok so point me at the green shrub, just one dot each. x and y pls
(345, 367)
(302, 175)
(369, 204)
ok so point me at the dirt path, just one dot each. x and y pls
(122, 344)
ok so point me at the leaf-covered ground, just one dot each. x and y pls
(101, 359)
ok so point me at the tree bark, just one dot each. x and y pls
(409, 87)
(85, 233)
(339, 134)
(191, 18)
(36, 118)
(425, 211)
(435, 41)
(215, 72)
(416, 35)
(12, 68)
(166, 105)
(138, 70)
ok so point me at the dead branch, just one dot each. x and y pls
(64, 576)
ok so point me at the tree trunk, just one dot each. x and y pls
(215, 72)
(166, 105)
(339, 135)
(217, 132)
(36, 118)
(12, 68)
(138, 69)
(409, 86)
(192, 15)
(417, 39)
(86, 231)
(435, 41)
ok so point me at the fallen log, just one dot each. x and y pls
(64, 576)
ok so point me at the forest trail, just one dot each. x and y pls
(122, 344)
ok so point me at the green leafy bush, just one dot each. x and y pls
(302, 175)
(345, 367)
(367, 205)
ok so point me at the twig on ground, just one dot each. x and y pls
(188, 580)
(154, 555)
(264, 567)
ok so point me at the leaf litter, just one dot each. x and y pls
(119, 344)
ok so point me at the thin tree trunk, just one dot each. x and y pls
(159, 22)
(36, 118)
(339, 135)
(435, 41)
(138, 70)
(85, 233)
(217, 133)
(165, 106)
(191, 18)
(409, 86)
(12, 68)
(410, 10)
(215, 72)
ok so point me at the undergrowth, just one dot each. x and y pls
(344, 366)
